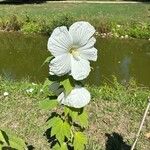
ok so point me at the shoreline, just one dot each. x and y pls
(97, 34)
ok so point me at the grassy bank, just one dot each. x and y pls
(114, 110)
(115, 19)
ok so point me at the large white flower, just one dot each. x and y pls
(78, 97)
(72, 50)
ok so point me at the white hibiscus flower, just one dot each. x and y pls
(78, 97)
(72, 50)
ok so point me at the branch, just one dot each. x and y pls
(141, 125)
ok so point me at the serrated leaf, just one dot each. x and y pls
(66, 129)
(67, 85)
(48, 104)
(62, 147)
(16, 142)
(2, 139)
(81, 118)
(47, 82)
(59, 128)
(66, 110)
(13, 141)
(56, 147)
(50, 123)
(80, 140)
(16, 145)
(55, 88)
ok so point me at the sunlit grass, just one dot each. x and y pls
(114, 108)
(43, 18)
(113, 12)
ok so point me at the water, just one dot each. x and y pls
(21, 56)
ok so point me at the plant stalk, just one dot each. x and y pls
(141, 125)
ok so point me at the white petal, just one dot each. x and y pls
(80, 68)
(89, 54)
(81, 32)
(60, 65)
(61, 97)
(89, 44)
(59, 41)
(78, 98)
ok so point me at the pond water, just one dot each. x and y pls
(21, 56)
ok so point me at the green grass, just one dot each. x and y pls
(114, 108)
(112, 12)
(45, 17)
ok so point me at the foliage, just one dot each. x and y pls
(134, 20)
(130, 93)
(113, 112)
(43, 26)
(10, 141)
(136, 30)
(12, 23)
(66, 124)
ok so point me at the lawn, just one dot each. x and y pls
(114, 115)
(111, 12)
(38, 18)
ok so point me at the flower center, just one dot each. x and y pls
(74, 52)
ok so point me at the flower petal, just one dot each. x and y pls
(59, 41)
(80, 68)
(81, 32)
(61, 97)
(60, 65)
(89, 54)
(78, 98)
(89, 44)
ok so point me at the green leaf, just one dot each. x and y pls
(66, 110)
(17, 145)
(83, 119)
(2, 139)
(52, 122)
(47, 83)
(67, 85)
(56, 147)
(52, 87)
(16, 142)
(12, 140)
(48, 104)
(62, 147)
(47, 60)
(55, 88)
(78, 116)
(80, 140)
(59, 128)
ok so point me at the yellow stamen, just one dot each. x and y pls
(74, 52)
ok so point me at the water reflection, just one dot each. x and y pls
(123, 59)
(124, 68)
(21, 56)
